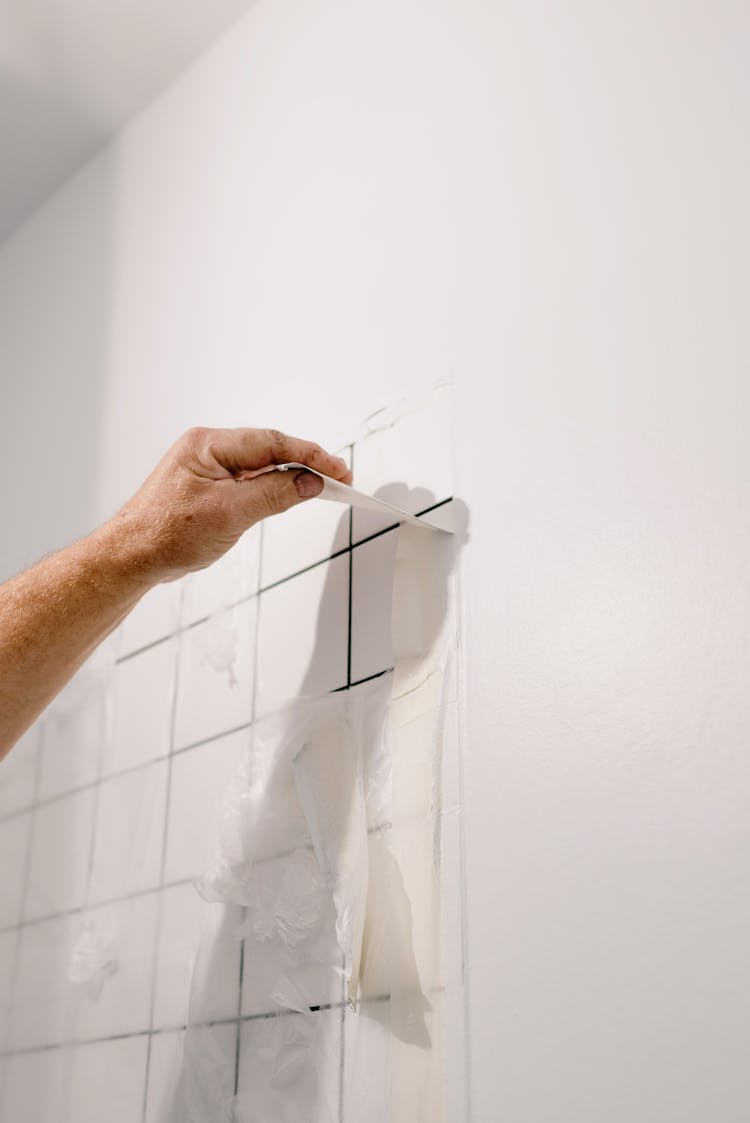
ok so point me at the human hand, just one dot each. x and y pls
(211, 486)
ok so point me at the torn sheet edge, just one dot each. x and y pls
(386, 417)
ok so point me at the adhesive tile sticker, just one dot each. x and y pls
(18, 774)
(8, 946)
(303, 635)
(128, 838)
(35, 1085)
(109, 968)
(106, 1075)
(199, 780)
(60, 853)
(143, 698)
(231, 579)
(216, 673)
(156, 616)
(14, 843)
(41, 1013)
(166, 1055)
(244, 898)
(74, 738)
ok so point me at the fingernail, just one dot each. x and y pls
(308, 485)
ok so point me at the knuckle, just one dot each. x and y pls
(195, 436)
(279, 442)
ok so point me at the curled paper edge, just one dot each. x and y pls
(339, 492)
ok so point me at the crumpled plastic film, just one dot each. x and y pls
(327, 870)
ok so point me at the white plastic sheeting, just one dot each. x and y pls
(327, 867)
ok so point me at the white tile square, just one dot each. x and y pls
(35, 1086)
(8, 946)
(17, 772)
(107, 1080)
(163, 1074)
(283, 973)
(198, 973)
(215, 692)
(42, 1003)
(142, 707)
(372, 598)
(183, 915)
(232, 578)
(73, 744)
(112, 955)
(303, 634)
(130, 823)
(409, 464)
(60, 854)
(200, 778)
(203, 1057)
(155, 616)
(14, 840)
(302, 536)
(289, 1069)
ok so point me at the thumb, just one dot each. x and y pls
(274, 492)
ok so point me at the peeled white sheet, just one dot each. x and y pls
(338, 492)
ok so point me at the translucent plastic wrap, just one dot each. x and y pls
(327, 869)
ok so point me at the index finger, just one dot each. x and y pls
(250, 450)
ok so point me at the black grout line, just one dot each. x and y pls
(163, 886)
(214, 737)
(93, 906)
(106, 779)
(156, 1031)
(362, 681)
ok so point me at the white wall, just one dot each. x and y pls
(547, 203)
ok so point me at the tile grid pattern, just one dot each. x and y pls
(173, 752)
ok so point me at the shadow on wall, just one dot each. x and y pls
(57, 277)
(211, 1072)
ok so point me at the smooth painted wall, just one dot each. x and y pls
(548, 204)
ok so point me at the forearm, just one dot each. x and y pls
(55, 614)
(188, 513)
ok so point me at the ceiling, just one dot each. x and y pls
(72, 72)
